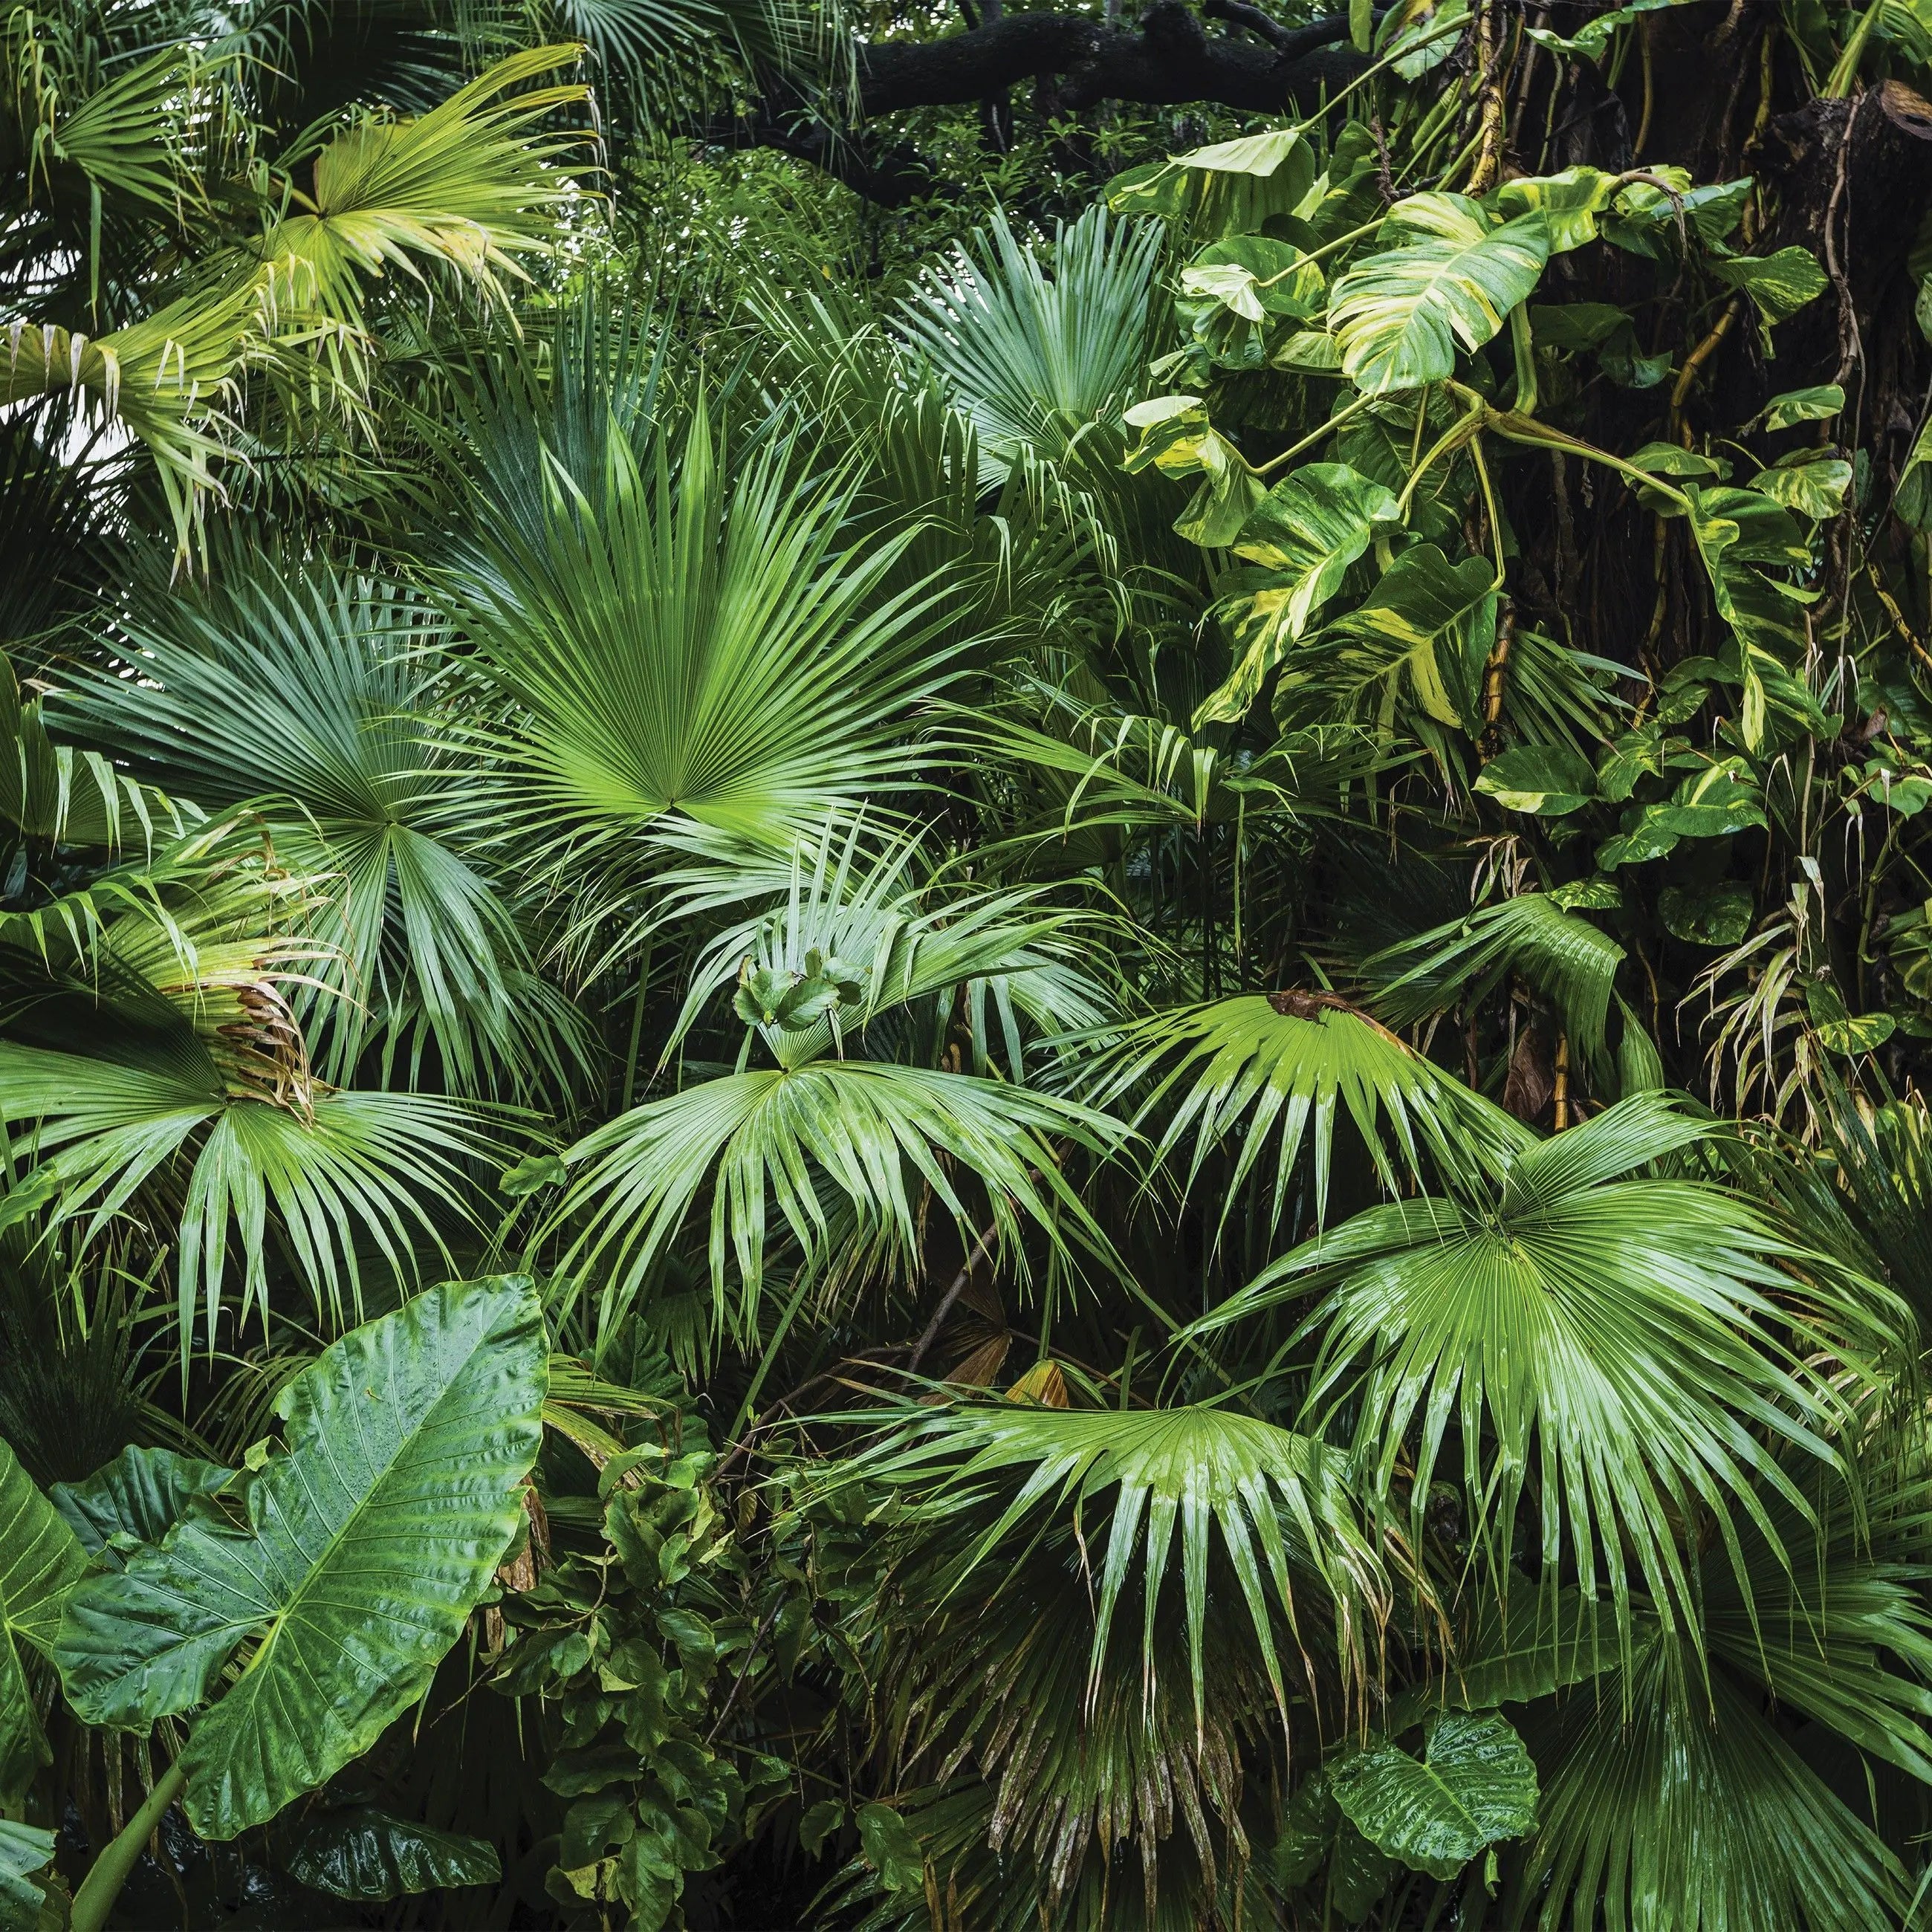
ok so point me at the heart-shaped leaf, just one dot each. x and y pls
(352, 1559)
(1474, 1786)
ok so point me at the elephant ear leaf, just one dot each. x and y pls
(135, 1498)
(1474, 1786)
(25, 1850)
(351, 1558)
(364, 1853)
(1399, 314)
(40, 1562)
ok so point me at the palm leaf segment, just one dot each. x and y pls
(1278, 1505)
(301, 696)
(1278, 1069)
(1567, 959)
(1618, 1344)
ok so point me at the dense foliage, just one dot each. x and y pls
(922, 1007)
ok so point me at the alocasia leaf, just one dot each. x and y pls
(364, 1853)
(352, 1557)
(40, 1561)
(1474, 1786)
(25, 1850)
(135, 1498)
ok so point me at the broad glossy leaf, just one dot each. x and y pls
(1780, 284)
(1305, 533)
(137, 1498)
(40, 1561)
(1569, 203)
(1719, 915)
(1550, 780)
(1427, 620)
(1177, 438)
(362, 1547)
(1231, 187)
(1592, 41)
(365, 1853)
(1817, 404)
(25, 1850)
(1256, 278)
(1399, 315)
(1811, 482)
(1473, 1787)
(890, 1848)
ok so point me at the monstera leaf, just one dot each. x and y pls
(137, 1498)
(1399, 314)
(1474, 1786)
(1427, 619)
(364, 1853)
(351, 1558)
(40, 1563)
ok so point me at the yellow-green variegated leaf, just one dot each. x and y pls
(1304, 533)
(1453, 279)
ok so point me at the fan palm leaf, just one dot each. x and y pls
(302, 695)
(1036, 359)
(676, 642)
(1635, 1348)
(1278, 1505)
(1277, 1070)
(822, 1141)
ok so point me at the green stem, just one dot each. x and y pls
(102, 1886)
(1844, 74)
(1295, 449)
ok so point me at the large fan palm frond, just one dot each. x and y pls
(162, 1073)
(680, 642)
(1279, 1507)
(305, 695)
(1038, 359)
(1629, 1352)
(844, 1150)
(1700, 1808)
(1277, 1070)
(1569, 960)
(469, 186)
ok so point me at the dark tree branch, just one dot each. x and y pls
(1168, 59)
